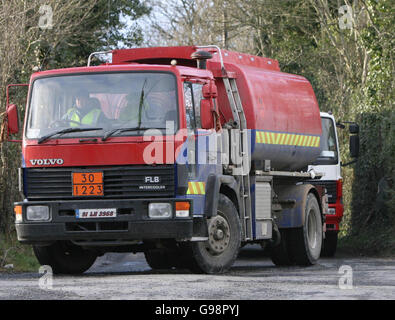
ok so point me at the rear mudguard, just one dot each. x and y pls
(293, 199)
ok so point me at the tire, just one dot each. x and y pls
(280, 254)
(330, 244)
(64, 257)
(306, 241)
(218, 254)
(159, 259)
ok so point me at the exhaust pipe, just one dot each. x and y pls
(201, 57)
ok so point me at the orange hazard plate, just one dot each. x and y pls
(87, 184)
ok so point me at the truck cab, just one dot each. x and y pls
(330, 165)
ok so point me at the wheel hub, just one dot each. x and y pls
(219, 235)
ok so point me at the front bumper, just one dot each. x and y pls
(333, 220)
(132, 222)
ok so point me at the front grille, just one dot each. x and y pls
(119, 182)
(331, 188)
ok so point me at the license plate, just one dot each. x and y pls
(95, 213)
(87, 184)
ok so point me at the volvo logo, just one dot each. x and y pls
(46, 162)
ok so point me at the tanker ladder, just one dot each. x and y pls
(242, 169)
(239, 116)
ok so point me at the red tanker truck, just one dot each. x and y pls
(183, 153)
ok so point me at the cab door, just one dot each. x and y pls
(202, 146)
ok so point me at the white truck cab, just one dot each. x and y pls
(329, 163)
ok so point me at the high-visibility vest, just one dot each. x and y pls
(90, 118)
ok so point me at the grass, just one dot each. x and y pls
(21, 256)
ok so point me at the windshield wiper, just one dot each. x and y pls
(120, 130)
(142, 98)
(68, 130)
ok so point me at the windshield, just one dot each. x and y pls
(104, 102)
(329, 154)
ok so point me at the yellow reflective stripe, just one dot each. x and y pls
(263, 137)
(306, 141)
(201, 186)
(283, 136)
(299, 139)
(189, 188)
(258, 137)
(273, 137)
(195, 187)
(292, 139)
(312, 142)
(305, 138)
(287, 139)
(267, 134)
(279, 138)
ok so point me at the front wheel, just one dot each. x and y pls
(160, 259)
(218, 253)
(65, 257)
(330, 244)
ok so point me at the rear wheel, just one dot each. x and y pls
(280, 254)
(330, 244)
(64, 257)
(306, 241)
(217, 254)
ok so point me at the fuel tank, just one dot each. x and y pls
(281, 110)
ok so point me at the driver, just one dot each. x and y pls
(86, 110)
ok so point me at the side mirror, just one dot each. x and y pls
(210, 90)
(353, 128)
(13, 119)
(206, 114)
(354, 146)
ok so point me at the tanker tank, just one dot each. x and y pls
(280, 108)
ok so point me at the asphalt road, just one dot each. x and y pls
(253, 277)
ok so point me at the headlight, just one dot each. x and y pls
(159, 210)
(37, 213)
(332, 211)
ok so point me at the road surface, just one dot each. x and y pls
(253, 277)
